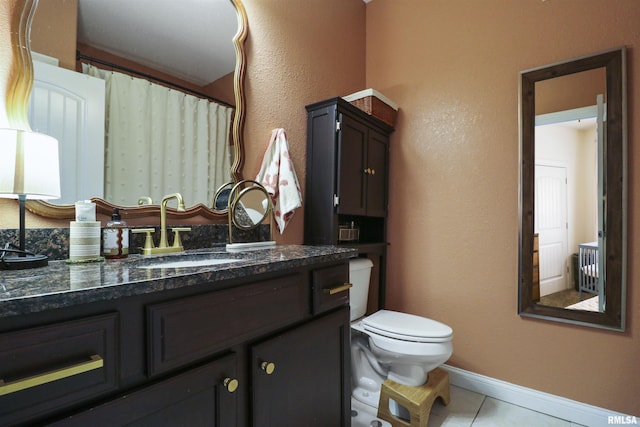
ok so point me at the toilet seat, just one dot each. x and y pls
(406, 327)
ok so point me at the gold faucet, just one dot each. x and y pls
(163, 246)
(163, 217)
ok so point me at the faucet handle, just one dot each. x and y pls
(148, 241)
(176, 235)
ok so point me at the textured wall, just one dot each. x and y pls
(453, 68)
(299, 52)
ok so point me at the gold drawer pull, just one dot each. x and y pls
(231, 384)
(337, 289)
(95, 362)
(268, 367)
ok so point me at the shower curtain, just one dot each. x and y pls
(160, 141)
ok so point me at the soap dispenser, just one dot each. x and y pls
(115, 237)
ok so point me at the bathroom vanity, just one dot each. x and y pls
(257, 338)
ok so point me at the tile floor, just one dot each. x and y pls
(468, 408)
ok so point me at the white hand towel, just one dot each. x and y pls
(278, 177)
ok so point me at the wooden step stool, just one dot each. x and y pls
(418, 400)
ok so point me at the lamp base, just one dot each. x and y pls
(23, 263)
(15, 259)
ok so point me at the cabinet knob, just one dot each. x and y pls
(268, 367)
(231, 384)
(373, 172)
(367, 171)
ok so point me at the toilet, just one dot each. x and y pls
(388, 344)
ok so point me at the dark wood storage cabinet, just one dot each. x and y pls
(347, 179)
(195, 356)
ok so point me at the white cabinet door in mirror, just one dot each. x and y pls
(70, 107)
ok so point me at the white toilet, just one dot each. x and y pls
(388, 344)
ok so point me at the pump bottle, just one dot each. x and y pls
(115, 237)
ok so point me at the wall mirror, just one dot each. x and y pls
(201, 208)
(572, 255)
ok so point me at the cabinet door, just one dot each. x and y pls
(377, 148)
(204, 396)
(302, 377)
(352, 142)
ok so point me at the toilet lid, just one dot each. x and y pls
(407, 327)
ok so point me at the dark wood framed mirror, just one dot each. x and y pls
(201, 209)
(606, 185)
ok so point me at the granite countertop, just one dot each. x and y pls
(62, 285)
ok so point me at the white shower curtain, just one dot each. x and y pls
(160, 141)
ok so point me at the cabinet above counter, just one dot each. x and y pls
(61, 285)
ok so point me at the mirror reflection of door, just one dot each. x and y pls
(552, 227)
(568, 190)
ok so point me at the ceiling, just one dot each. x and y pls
(189, 39)
(580, 124)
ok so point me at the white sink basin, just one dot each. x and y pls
(239, 247)
(190, 263)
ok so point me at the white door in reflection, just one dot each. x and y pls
(551, 224)
(70, 107)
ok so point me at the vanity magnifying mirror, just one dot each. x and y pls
(249, 206)
(543, 259)
(202, 208)
(220, 202)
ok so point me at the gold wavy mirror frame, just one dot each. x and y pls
(19, 72)
(22, 76)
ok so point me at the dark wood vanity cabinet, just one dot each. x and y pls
(202, 396)
(295, 375)
(347, 180)
(260, 351)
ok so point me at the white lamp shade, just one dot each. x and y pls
(29, 165)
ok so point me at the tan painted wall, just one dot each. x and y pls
(53, 30)
(299, 52)
(452, 66)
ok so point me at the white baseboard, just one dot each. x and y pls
(556, 406)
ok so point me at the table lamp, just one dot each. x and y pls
(29, 169)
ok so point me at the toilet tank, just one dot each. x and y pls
(359, 276)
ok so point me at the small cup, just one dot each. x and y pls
(85, 211)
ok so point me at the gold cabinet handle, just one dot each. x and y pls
(231, 384)
(337, 289)
(95, 362)
(268, 367)
(373, 171)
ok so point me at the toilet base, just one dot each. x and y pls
(417, 400)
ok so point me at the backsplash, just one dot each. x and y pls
(54, 242)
